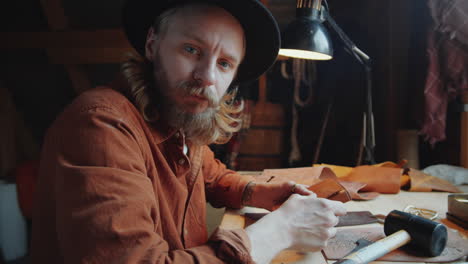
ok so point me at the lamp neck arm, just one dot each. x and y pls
(362, 57)
(309, 8)
(310, 13)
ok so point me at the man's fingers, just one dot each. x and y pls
(302, 189)
(337, 207)
(298, 188)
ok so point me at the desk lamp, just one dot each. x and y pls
(307, 38)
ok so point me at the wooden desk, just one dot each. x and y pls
(381, 205)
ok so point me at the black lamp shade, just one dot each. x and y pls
(307, 39)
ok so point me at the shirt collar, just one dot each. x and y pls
(162, 131)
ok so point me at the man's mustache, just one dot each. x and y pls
(194, 88)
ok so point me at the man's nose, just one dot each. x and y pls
(205, 72)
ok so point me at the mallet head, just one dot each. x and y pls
(427, 236)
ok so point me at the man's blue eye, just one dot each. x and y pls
(225, 64)
(191, 50)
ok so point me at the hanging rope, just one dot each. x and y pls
(304, 73)
(295, 154)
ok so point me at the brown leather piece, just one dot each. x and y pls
(363, 182)
(303, 175)
(345, 241)
(389, 177)
(377, 179)
(421, 182)
(321, 180)
(391, 164)
(353, 189)
(331, 189)
(384, 177)
(357, 218)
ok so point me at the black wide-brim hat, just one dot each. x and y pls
(260, 28)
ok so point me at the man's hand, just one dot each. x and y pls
(310, 221)
(271, 195)
(303, 222)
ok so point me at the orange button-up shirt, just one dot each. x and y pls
(115, 189)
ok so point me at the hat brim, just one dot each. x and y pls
(261, 30)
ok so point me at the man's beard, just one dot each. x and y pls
(199, 128)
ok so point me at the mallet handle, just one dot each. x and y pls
(377, 249)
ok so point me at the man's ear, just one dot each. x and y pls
(149, 45)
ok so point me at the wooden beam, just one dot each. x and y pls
(58, 21)
(87, 55)
(55, 14)
(108, 38)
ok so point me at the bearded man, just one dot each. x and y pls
(125, 170)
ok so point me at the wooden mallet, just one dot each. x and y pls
(421, 234)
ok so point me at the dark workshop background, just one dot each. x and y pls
(43, 76)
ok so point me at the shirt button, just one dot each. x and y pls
(185, 231)
(181, 161)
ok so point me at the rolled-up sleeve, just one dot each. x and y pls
(233, 245)
(224, 188)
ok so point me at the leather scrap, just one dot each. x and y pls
(357, 218)
(302, 175)
(346, 240)
(367, 181)
(353, 189)
(377, 179)
(362, 182)
(422, 182)
(340, 171)
(321, 180)
(331, 189)
(388, 177)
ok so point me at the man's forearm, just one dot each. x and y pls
(268, 237)
(247, 195)
(267, 195)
